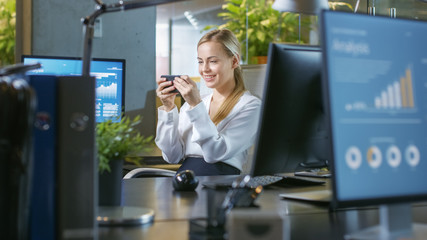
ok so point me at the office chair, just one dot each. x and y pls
(149, 172)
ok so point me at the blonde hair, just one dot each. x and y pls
(231, 46)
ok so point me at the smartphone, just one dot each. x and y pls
(171, 78)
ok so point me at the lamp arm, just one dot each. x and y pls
(88, 27)
(101, 8)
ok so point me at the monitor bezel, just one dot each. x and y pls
(289, 163)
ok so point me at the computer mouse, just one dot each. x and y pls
(185, 181)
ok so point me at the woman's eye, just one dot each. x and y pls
(213, 61)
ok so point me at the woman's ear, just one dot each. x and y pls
(236, 61)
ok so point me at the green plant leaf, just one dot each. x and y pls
(232, 8)
(265, 25)
(7, 32)
(260, 36)
(118, 140)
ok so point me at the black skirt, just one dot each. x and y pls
(201, 168)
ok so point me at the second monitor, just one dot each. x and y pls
(292, 126)
(110, 80)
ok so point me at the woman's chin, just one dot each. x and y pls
(210, 84)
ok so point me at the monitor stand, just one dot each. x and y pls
(124, 215)
(395, 223)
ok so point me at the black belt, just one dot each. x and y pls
(202, 168)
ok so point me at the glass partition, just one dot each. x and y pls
(180, 25)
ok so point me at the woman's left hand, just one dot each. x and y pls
(188, 89)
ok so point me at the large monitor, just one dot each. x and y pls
(292, 126)
(376, 96)
(109, 74)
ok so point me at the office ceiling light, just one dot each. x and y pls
(300, 6)
(190, 17)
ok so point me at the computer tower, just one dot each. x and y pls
(64, 196)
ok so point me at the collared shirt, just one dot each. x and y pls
(191, 132)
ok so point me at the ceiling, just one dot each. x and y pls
(175, 11)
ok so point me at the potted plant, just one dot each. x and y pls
(256, 23)
(117, 142)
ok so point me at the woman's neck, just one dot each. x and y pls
(218, 97)
(216, 101)
(220, 94)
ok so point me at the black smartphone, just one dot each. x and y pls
(171, 78)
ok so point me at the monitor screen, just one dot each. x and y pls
(109, 74)
(375, 77)
(292, 127)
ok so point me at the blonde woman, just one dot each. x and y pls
(210, 134)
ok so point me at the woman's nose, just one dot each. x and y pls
(205, 67)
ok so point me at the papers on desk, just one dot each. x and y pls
(321, 196)
(320, 173)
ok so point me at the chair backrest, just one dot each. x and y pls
(149, 172)
(254, 76)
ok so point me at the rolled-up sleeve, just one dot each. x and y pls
(167, 136)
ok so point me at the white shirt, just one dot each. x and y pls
(192, 133)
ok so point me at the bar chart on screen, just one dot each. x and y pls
(398, 94)
(106, 93)
(393, 95)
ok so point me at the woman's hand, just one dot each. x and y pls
(188, 89)
(164, 92)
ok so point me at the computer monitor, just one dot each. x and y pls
(109, 74)
(292, 127)
(375, 85)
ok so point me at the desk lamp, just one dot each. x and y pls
(101, 8)
(115, 215)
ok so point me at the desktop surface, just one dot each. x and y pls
(173, 210)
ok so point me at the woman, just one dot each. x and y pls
(211, 134)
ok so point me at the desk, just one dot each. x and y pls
(174, 210)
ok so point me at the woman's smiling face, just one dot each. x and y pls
(215, 66)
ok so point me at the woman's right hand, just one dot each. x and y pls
(164, 92)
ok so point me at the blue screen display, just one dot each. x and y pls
(109, 74)
(376, 70)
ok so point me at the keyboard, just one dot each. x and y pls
(264, 180)
(267, 180)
